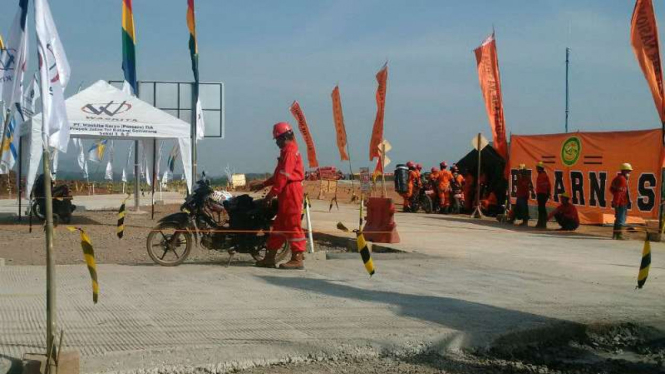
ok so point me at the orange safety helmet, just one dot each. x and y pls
(419, 166)
(434, 170)
(443, 165)
(280, 129)
(410, 165)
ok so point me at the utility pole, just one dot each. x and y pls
(567, 65)
(195, 100)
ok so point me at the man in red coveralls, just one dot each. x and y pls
(619, 190)
(524, 188)
(543, 190)
(565, 214)
(286, 184)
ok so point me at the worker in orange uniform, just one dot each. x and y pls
(565, 214)
(443, 187)
(419, 171)
(410, 186)
(524, 188)
(620, 199)
(286, 184)
(543, 191)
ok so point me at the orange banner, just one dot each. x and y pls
(584, 164)
(377, 131)
(490, 85)
(338, 117)
(304, 130)
(644, 39)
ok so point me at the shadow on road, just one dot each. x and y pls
(478, 324)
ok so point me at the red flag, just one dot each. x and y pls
(304, 130)
(646, 45)
(490, 85)
(339, 123)
(377, 131)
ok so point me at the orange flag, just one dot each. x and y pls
(644, 39)
(490, 85)
(304, 130)
(338, 116)
(377, 131)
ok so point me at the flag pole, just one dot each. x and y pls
(567, 64)
(383, 172)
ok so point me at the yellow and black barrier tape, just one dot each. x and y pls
(363, 247)
(645, 264)
(89, 255)
(120, 230)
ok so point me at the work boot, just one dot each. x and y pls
(296, 262)
(619, 236)
(268, 261)
(525, 223)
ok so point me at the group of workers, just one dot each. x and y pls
(566, 214)
(447, 185)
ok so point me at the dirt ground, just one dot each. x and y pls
(618, 349)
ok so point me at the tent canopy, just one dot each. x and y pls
(102, 111)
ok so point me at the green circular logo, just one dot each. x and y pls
(571, 151)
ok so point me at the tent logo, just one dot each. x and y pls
(109, 109)
(7, 63)
(571, 151)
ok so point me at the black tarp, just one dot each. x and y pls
(492, 165)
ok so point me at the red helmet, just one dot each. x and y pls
(280, 128)
(443, 165)
(419, 166)
(410, 165)
(434, 170)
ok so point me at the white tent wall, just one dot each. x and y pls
(101, 111)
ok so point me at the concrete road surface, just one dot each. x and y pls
(461, 284)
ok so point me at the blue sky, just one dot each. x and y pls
(269, 53)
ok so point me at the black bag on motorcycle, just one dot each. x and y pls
(401, 178)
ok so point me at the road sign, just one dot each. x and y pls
(483, 142)
(365, 185)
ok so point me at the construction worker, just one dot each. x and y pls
(543, 190)
(419, 169)
(565, 214)
(286, 184)
(524, 188)
(433, 176)
(456, 189)
(413, 176)
(619, 190)
(443, 187)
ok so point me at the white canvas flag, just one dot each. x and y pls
(124, 176)
(200, 124)
(9, 148)
(54, 75)
(14, 59)
(30, 97)
(81, 157)
(129, 157)
(109, 165)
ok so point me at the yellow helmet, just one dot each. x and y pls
(540, 164)
(522, 167)
(566, 195)
(626, 167)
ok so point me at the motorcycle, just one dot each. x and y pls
(245, 228)
(421, 200)
(61, 197)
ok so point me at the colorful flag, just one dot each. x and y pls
(646, 45)
(377, 131)
(128, 48)
(338, 117)
(490, 84)
(194, 54)
(9, 149)
(173, 156)
(96, 152)
(54, 76)
(304, 130)
(2, 43)
(14, 59)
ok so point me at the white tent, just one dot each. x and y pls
(103, 111)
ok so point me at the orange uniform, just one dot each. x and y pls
(413, 177)
(443, 185)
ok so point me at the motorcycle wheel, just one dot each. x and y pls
(426, 204)
(37, 211)
(281, 253)
(168, 244)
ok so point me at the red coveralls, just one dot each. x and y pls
(286, 184)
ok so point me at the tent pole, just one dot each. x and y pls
(195, 99)
(154, 161)
(137, 175)
(20, 173)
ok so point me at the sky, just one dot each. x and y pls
(269, 53)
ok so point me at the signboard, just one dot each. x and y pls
(483, 142)
(365, 185)
(238, 180)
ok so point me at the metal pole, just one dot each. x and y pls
(477, 213)
(567, 64)
(309, 225)
(195, 99)
(154, 172)
(383, 172)
(51, 322)
(20, 173)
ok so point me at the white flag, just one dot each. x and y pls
(9, 147)
(54, 75)
(81, 156)
(124, 176)
(14, 59)
(85, 170)
(54, 162)
(200, 124)
(109, 165)
(30, 97)
(129, 157)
